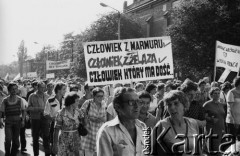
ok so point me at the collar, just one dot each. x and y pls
(116, 121)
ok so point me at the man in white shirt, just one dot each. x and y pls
(53, 105)
(124, 134)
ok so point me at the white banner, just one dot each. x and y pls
(121, 61)
(32, 74)
(227, 56)
(50, 76)
(57, 65)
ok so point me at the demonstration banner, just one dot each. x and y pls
(32, 74)
(227, 62)
(57, 65)
(121, 61)
(50, 76)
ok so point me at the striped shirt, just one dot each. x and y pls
(12, 110)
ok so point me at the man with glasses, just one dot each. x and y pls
(124, 134)
(145, 116)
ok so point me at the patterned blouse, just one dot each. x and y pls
(89, 141)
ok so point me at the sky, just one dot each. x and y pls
(45, 22)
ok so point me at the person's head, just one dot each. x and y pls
(145, 98)
(71, 99)
(98, 95)
(197, 95)
(73, 88)
(214, 93)
(127, 103)
(126, 84)
(168, 87)
(12, 88)
(214, 84)
(151, 88)
(35, 85)
(176, 103)
(160, 88)
(206, 79)
(41, 86)
(117, 85)
(50, 87)
(60, 88)
(189, 88)
(226, 87)
(88, 89)
(236, 82)
(139, 87)
(202, 85)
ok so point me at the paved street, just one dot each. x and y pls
(29, 151)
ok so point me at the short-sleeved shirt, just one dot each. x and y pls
(233, 96)
(52, 107)
(36, 101)
(113, 139)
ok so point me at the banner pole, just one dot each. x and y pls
(215, 68)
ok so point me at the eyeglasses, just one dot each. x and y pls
(132, 102)
(99, 96)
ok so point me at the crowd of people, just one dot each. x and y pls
(116, 117)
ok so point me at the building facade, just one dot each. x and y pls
(153, 14)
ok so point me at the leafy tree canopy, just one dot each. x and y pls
(196, 25)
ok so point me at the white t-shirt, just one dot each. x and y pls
(153, 104)
(233, 96)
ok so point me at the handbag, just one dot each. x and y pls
(82, 131)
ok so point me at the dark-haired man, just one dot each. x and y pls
(145, 116)
(122, 135)
(14, 110)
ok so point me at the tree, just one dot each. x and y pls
(22, 55)
(196, 25)
(105, 28)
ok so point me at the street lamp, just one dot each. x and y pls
(119, 18)
(71, 40)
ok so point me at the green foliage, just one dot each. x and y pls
(105, 28)
(196, 25)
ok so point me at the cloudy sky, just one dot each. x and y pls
(45, 22)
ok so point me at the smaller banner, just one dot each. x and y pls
(227, 62)
(227, 56)
(32, 74)
(58, 65)
(50, 76)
